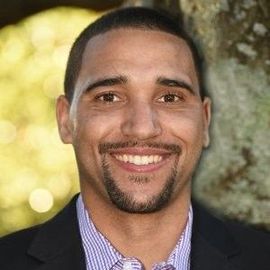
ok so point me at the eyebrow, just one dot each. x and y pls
(118, 80)
(106, 82)
(175, 83)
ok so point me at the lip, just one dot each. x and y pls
(140, 151)
(130, 167)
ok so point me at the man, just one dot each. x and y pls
(137, 116)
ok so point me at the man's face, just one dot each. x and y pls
(136, 122)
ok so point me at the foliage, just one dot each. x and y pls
(37, 170)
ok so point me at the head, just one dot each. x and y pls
(135, 18)
(135, 110)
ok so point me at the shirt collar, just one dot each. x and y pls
(100, 253)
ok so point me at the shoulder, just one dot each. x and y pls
(250, 239)
(18, 239)
(254, 245)
(27, 249)
(245, 246)
(14, 247)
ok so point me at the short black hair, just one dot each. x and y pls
(132, 17)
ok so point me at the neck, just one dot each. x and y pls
(144, 236)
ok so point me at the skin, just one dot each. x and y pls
(151, 101)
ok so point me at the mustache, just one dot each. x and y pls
(105, 147)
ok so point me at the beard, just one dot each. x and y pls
(125, 202)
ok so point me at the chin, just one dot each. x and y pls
(139, 203)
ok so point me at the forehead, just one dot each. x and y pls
(135, 52)
(125, 40)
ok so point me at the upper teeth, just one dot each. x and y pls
(139, 160)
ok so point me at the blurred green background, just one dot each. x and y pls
(38, 173)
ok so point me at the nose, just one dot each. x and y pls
(141, 122)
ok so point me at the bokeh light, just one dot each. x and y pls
(41, 200)
(38, 174)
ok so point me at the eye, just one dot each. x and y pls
(107, 97)
(170, 98)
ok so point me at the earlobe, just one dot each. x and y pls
(65, 126)
(206, 141)
(207, 120)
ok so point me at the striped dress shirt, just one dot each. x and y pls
(101, 255)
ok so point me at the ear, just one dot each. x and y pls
(65, 125)
(207, 119)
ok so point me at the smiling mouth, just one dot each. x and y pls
(140, 160)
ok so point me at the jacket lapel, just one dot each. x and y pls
(57, 244)
(66, 261)
(212, 245)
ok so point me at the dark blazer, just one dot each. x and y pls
(56, 245)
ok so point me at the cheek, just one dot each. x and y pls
(93, 126)
(187, 126)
